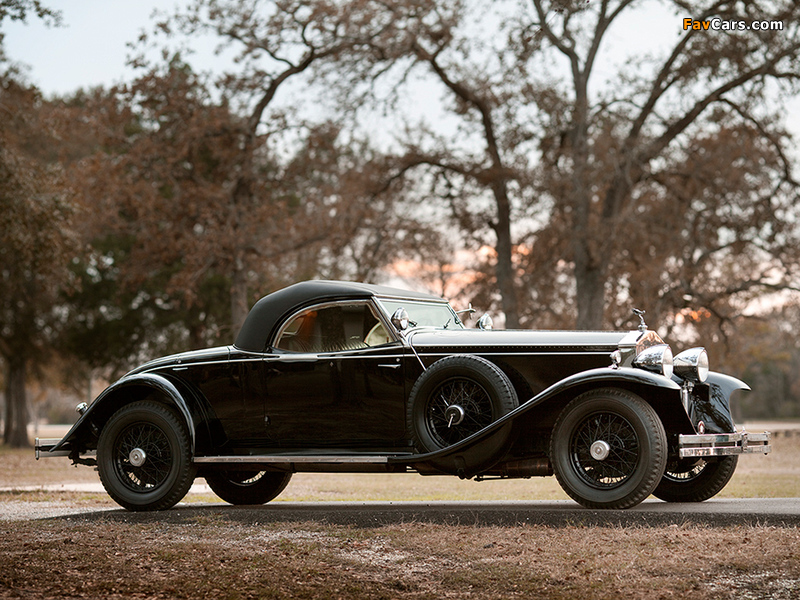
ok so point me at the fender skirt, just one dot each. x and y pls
(480, 451)
(147, 380)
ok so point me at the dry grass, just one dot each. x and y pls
(217, 556)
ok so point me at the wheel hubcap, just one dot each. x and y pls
(604, 450)
(456, 409)
(137, 457)
(143, 457)
(600, 450)
(454, 415)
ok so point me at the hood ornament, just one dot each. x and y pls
(640, 313)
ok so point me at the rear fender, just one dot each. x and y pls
(468, 456)
(117, 395)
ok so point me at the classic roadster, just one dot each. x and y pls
(350, 377)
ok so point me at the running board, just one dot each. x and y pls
(296, 458)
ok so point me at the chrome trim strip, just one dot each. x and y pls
(287, 459)
(180, 366)
(724, 444)
(602, 351)
(288, 357)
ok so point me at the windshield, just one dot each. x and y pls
(424, 314)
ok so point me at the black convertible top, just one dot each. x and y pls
(270, 311)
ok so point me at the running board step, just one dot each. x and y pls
(297, 458)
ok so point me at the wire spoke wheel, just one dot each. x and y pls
(247, 487)
(678, 473)
(151, 443)
(695, 480)
(456, 409)
(622, 455)
(144, 456)
(455, 398)
(608, 449)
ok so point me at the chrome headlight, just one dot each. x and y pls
(692, 365)
(656, 359)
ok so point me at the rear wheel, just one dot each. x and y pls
(247, 487)
(608, 449)
(144, 457)
(695, 480)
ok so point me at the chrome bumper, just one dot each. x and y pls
(724, 444)
(42, 447)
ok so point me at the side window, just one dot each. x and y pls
(333, 328)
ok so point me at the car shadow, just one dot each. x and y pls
(652, 513)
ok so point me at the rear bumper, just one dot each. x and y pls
(43, 447)
(724, 444)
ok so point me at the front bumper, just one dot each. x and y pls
(724, 444)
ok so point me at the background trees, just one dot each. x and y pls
(36, 244)
(617, 144)
(506, 157)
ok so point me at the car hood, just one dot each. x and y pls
(517, 340)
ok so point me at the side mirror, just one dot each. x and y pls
(485, 322)
(400, 319)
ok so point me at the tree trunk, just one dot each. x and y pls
(505, 263)
(590, 289)
(589, 267)
(16, 418)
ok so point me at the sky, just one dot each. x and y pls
(90, 49)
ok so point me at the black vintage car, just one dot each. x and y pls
(350, 377)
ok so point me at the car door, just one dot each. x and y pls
(336, 380)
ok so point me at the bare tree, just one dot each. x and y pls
(481, 88)
(275, 43)
(705, 78)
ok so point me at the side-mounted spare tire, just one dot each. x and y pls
(457, 397)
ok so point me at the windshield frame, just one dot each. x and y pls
(451, 320)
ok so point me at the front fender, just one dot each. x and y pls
(106, 404)
(713, 406)
(467, 454)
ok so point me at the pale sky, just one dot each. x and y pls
(90, 48)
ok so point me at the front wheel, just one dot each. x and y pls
(247, 487)
(608, 449)
(695, 481)
(144, 457)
